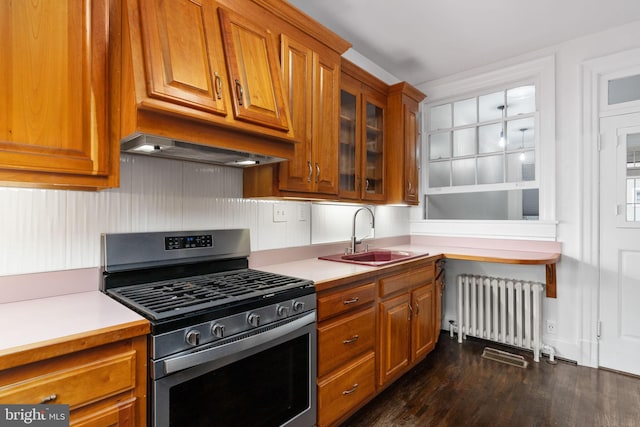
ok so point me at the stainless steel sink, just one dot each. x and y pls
(377, 257)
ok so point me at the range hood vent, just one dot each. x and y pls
(165, 147)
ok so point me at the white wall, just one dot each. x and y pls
(576, 271)
(50, 230)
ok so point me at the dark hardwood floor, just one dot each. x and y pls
(455, 386)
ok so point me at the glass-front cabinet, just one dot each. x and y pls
(361, 162)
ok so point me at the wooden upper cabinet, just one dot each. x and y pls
(362, 135)
(403, 105)
(312, 83)
(254, 73)
(183, 54)
(54, 103)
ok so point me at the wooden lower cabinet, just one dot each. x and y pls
(346, 389)
(371, 333)
(103, 386)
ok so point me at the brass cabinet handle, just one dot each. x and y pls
(366, 184)
(47, 399)
(410, 186)
(239, 92)
(417, 309)
(351, 340)
(410, 311)
(317, 172)
(353, 389)
(218, 85)
(310, 170)
(351, 301)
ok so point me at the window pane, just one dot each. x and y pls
(491, 169)
(520, 134)
(521, 166)
(464, 171)
(521, 100)
(497, 205)
(464, 142)
(440, 146)
(464, 112)
(439, 174)
(440, 117)
(489, 106)
(624, 90)
(490, 138)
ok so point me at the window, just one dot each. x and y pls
(486, 155)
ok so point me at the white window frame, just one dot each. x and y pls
(540, 72)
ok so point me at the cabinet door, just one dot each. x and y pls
(373, 148)
(254, 72)
(422, 325)
(183, 56)
(54, 114)
(395, 320)
(297, 72)
(349, 137)
(411, 154)
(325, 125)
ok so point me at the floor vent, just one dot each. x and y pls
(504, 357)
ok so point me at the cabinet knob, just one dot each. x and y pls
(351, 340)
(239, 92)
(48, 399)
(351, 390)
(351, 301)
(310, 171)
(317, 172)
(218, 85)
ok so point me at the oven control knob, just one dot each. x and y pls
(254, 319)
(193, 337)
(282, 310)
(218, 330)
(298, 306)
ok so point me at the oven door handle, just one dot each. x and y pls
(186, 361)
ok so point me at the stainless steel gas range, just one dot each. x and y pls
(229, 345)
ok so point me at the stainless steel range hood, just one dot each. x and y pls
(156, 146)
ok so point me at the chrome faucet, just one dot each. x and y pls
(354, 240)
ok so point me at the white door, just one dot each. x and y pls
(619, 347)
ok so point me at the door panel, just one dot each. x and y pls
(254, 73)
(182, 53)
(620, 243)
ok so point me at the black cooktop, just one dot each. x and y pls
(172, 298)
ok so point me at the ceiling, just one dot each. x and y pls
(422, 40)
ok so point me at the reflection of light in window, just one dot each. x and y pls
(522, 157)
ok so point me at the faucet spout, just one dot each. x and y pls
(354, 240)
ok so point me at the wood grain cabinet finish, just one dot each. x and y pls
(403, 105)
(183, 55)
(54, 98)
(362, 135)
(254, 73)
(312, 83)
(103, 386)
(346, 350)
(407, 320)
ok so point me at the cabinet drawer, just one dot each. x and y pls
(78, 385)
(404, 281)
(345, 390)
(342, 340)
(348, 299)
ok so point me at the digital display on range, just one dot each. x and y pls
(188, 242)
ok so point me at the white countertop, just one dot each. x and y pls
(44, 319)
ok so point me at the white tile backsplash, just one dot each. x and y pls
(50, 230)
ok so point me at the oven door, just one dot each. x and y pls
(266, 379)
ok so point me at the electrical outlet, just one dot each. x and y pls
(279, 213)
(551, 327)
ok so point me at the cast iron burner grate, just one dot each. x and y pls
(169, 298)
